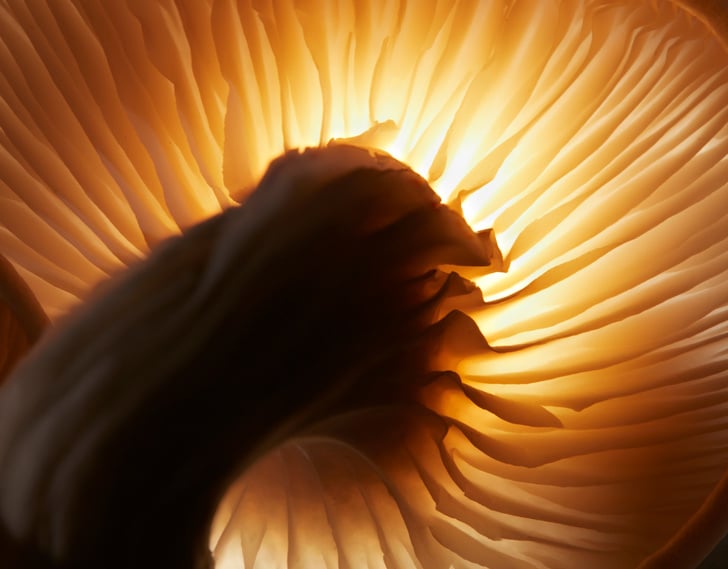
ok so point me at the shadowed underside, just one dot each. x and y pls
(22, 320)
(590, 136)
(217, 348)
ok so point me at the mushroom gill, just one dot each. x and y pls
(587, 138)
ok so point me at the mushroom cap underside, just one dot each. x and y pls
(595, 428)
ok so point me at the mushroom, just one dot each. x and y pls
(542, 386)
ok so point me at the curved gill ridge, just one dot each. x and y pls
(611, 315)
(591, 135)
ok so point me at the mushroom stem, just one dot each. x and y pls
(119, 435)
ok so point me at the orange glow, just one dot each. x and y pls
(591, 136)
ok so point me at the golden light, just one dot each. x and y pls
(299, 320)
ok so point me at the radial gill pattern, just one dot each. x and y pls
(590, 135)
